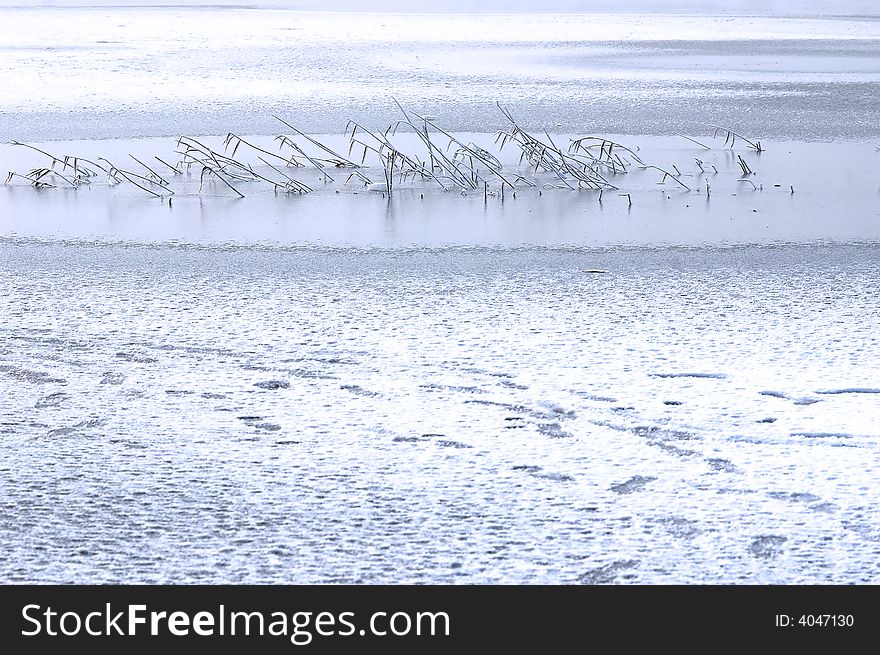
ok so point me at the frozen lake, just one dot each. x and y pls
(195, 414)
(799, 192)
(98, 72)
(661, 385)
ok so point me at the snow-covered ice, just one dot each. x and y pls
(671, 387)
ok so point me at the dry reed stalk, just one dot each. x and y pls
(731, 137)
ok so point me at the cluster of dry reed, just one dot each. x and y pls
(587, 162)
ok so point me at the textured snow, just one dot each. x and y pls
(437, 387)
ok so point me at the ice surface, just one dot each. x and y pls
(253, 414)
(98, 72)
(835, 199)
(443, 387)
